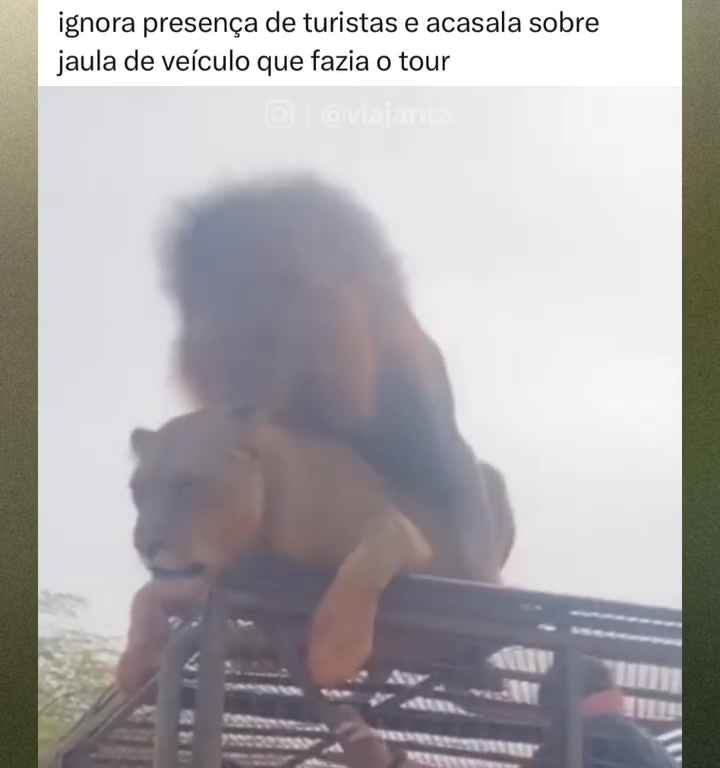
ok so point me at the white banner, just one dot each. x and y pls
(445, 43)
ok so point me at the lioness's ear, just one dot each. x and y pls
(140, 440)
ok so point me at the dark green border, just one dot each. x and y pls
(18, 383)
(701, 387)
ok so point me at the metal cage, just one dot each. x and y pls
(453, 680)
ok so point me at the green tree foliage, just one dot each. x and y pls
(74, 666)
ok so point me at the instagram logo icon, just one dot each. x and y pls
(279, 112)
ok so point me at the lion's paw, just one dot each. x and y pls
(135, 667)
(341, 636)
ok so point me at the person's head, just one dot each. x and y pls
(595, 677)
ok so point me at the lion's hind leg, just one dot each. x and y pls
(341, 635)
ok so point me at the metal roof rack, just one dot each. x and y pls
(453, 679)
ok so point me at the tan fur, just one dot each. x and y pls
(213, 485)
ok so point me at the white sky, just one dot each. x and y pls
(540, 231)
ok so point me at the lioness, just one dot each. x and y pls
(215, 484)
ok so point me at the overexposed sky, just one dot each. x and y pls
(540, 229)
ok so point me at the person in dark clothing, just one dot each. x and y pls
(610, 739)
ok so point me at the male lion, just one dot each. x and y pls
(216, 484)
(291, 298)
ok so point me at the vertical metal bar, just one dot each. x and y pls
(571, 684)
(210, 699)
(170, 682)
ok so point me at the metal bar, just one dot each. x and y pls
(436, 722)
(311, 731)
(210, 701)
(571, 719)
(656, 694)
(269, 577)
(169, 695)
(640, 628)
(409, 745)
(361, 688)
(608, 647)
(623, 649)
(660, 654)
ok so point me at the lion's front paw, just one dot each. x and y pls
(136, 666)
(341, 636)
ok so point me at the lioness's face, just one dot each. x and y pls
(198, 491)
